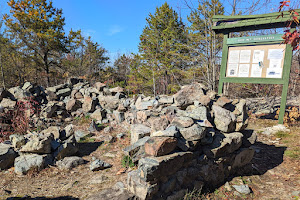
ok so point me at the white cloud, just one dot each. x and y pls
(114, 29)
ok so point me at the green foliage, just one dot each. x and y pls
(127, 162)
(162, 50)
(38, 29)
(281, 134)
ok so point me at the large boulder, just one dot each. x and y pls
(139, 131)
(188, 94)
(159, 146)
(89, 104)
(73, 104)
(193, 133)
(69, 162)
(7, 156)
(38, 144)
(8, 103)
(224, 119)
(24, 163)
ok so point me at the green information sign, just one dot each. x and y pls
(256, 59)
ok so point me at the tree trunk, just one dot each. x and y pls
(2, 72)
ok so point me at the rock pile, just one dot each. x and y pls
(186, 141)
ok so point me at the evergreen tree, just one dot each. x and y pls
(205, 45)
(163, 49)
(40, 28)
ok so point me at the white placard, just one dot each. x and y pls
(245, 56)
(258, 56)
(232, 69)
(275, 63)
(275, 53)
(244, 70)
(256, 71)
(274, 73)
(234, 56)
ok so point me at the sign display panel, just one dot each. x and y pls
(259, 61)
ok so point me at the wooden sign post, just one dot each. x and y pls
(255, 59)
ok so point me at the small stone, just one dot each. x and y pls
(243, 189)
(227, 187)
(99, 165)
(69, 162)
(120, 135)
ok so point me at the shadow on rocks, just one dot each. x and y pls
(43, 198)
(86, 148)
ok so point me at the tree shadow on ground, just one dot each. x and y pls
(86, 148)
(43, 198)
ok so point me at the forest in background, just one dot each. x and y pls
(35, 47)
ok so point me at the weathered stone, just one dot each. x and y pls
(49, 110)
(54, 130)
(139, 131)
(224, 144)
(98, 114)
(182, 122)
(185, 145)
(73, 104)
(204, 100)
(111, 194)
(24, 163)
(17, 141)
(164, 99)
(38, 144)
(188, 94)
(197, 113)
(65, 150)
(78, 95)
(69, 130)
(144, 105)
(159, 146)
(159, 123)
(63, 92)
(99, 165)
(51, 96)
(99, 86)
(154, 168)
(7, 156)
(109, 102)
(139, 187)
(80, 134)
(7, 103)
(243, 189)
(56, 88)
(118, 116)
(69, 162)
(94, 127)
(137, 150)
(224, 119)
(18, 93)
(194, 132)
(222, 101)
(142, 115)
(27, 86)
(171, 131)
(89, 104)
(5, 94)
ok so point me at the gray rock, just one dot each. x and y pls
(197, 113)
(171, 131)
(73, 105)
(243, 157)
(98, 114)
(224, 119)
(7, 156)
(94, 127)
(144, 105)
(18, 93)
(17, 141)
(27, 86)
(137, 150)
(38, 144)
(69, 130)
(223, 144)
(139, 131)
(188, 94)
(182, 122)
(80, 134)
(89, 104)
(109, 102)
(63, 92)
(118, 116)
(249, 137)
(157, 123)
(164, 99)
(54, 130)
(111, 194)
(24, 163)
(56, 88)
(194, 132)
(7, 103)
(65, 150)
(49, 110)
(69, 162)
(99, 165)
(243, 189)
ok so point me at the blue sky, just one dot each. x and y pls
(115, 24)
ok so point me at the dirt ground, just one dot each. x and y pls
(276, 171)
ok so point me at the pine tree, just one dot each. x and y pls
(40, 28)
(205, 45)
(163, 49)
